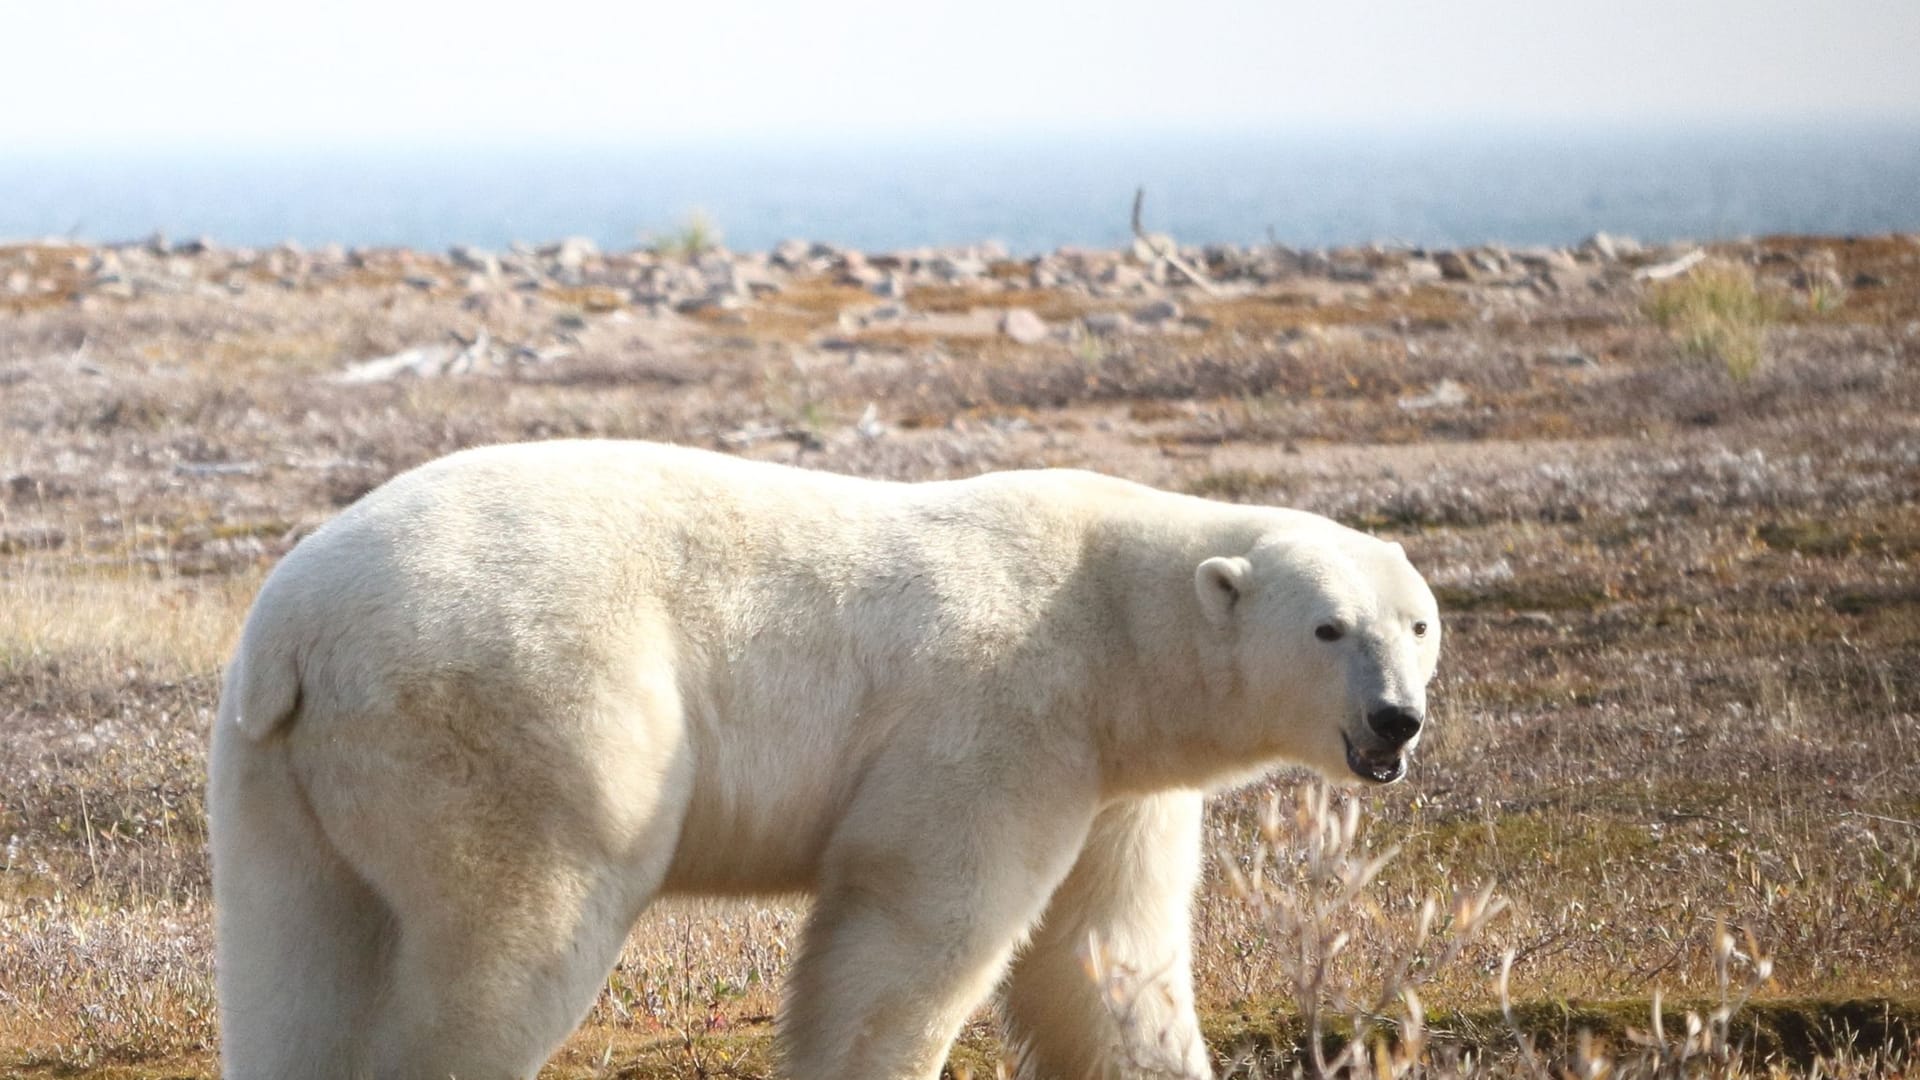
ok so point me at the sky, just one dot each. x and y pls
(97, 74)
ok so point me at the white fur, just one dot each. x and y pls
(480, 720)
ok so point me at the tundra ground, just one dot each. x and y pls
(1682, 675)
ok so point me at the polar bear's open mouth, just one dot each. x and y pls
(1378, 770)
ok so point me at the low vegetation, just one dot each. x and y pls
(1679, 706)
(693, 238)
(1718, 313)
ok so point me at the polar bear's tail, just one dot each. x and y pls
(263, 682)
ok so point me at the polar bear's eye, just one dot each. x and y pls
(1327, 632)
(1420, 628)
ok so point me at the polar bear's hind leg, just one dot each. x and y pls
(301, 936)
(516, 834)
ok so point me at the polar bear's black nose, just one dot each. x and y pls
(1394, 723)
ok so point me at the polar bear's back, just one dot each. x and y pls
(541, 561)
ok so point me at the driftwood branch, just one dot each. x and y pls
(1164, 250)
(1672, 269)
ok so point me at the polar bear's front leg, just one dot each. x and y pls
(925, 893)
(1128, 900)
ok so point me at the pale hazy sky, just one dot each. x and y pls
(91, 73)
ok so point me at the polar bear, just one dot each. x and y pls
(479, 720)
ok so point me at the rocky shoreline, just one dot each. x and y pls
(1138, 290)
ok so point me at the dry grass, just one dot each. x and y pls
(1717, 312)
(1682, 682)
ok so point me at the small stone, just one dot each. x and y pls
(1107, 323)
(1570, 359)
(1156, 312)
(1445, 394)
(713, 301)
(1023, 326)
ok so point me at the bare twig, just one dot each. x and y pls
(1165, 251)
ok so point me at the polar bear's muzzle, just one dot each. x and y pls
(1381, 755)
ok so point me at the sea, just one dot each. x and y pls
(1444, 187)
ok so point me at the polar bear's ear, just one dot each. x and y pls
(1220, 581)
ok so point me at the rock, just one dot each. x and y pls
(1607, 248)
(1545, 259)
(1023, 326)
(1350, 270)
(892, 287)
(1491, 259)
(1454, 266)
(1421, 271)
(479, 260)
(423, 282)
(1445, 394)
(714, 301)
(1155, 312)
(1864, 280)
(572, 253)
(857, 271)
(1570, 359)
(1121, 279)
(955, 270)
(1107, 323)
(869, 426)
(791, 254)
(1572, 279)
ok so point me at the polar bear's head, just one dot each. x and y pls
(1331, 638)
